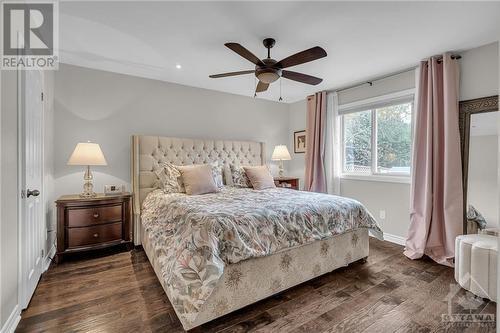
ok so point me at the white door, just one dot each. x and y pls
(32, 224)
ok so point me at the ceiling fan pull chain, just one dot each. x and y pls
(280, 90)
(255, 84)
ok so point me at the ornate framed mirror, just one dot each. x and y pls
(478, 125)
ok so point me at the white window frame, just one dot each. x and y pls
(368, 105)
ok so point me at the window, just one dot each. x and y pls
(377, 139)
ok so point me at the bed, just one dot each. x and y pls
(190, 241)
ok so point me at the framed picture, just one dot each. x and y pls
(299, 142)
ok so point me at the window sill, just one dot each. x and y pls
(377, 178)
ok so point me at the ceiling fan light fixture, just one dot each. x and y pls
(268, 77)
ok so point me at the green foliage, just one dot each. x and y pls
(357, 135)
(393, 137)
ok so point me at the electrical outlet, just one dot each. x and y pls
(382, 214)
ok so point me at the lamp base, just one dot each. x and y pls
(282, 171)
(88, 195)
(88, 187)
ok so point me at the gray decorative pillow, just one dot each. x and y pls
(170, 178)
(239, 176)
(217, 174)
(473, 215)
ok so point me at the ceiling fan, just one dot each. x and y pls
(269, 70)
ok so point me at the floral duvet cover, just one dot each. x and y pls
(194, 237)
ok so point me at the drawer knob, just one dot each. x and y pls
(96, 215)
(96, 235)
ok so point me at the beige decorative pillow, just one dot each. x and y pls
(170, 178)
(198, 179)
(260, 177)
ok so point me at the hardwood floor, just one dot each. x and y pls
(389, 293)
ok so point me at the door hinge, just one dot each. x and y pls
(42, 96)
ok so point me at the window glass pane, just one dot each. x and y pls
(394, 138)
(357, 142)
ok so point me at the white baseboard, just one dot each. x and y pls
(394, 239)
(11, 323)
(47, 260)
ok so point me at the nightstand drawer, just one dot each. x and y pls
(92, 235)
(83, 217)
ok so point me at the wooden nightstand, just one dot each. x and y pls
(92, 223)
(287, 182)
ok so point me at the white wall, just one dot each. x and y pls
(482, 177)
(393, 198)
(9, 194)
(478, 68)
(107, 108)
(296, 122)
(48, 167)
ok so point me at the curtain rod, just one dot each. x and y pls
(378, 78)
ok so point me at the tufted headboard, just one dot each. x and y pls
(149, 151)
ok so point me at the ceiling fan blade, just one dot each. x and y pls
(244, 53)
(261, 87)
(311, 54)
(215, 76)
(304, 78)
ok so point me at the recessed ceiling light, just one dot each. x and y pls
(178, 66)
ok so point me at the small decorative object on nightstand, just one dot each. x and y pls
(92, 223)
(287, 182)
(281, 154)
(87, 154)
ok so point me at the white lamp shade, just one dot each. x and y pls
(281, 153)
(87, 153)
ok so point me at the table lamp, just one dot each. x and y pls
(281, 154)
(87, 154)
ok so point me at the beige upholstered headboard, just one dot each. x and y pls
(149, 151)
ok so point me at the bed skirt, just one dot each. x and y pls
(252, 280)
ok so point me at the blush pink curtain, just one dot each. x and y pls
(436, 196)
(315, 179)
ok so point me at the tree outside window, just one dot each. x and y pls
(389, 130)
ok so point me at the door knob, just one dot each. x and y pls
(34, 193)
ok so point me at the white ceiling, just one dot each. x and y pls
(362, 39)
